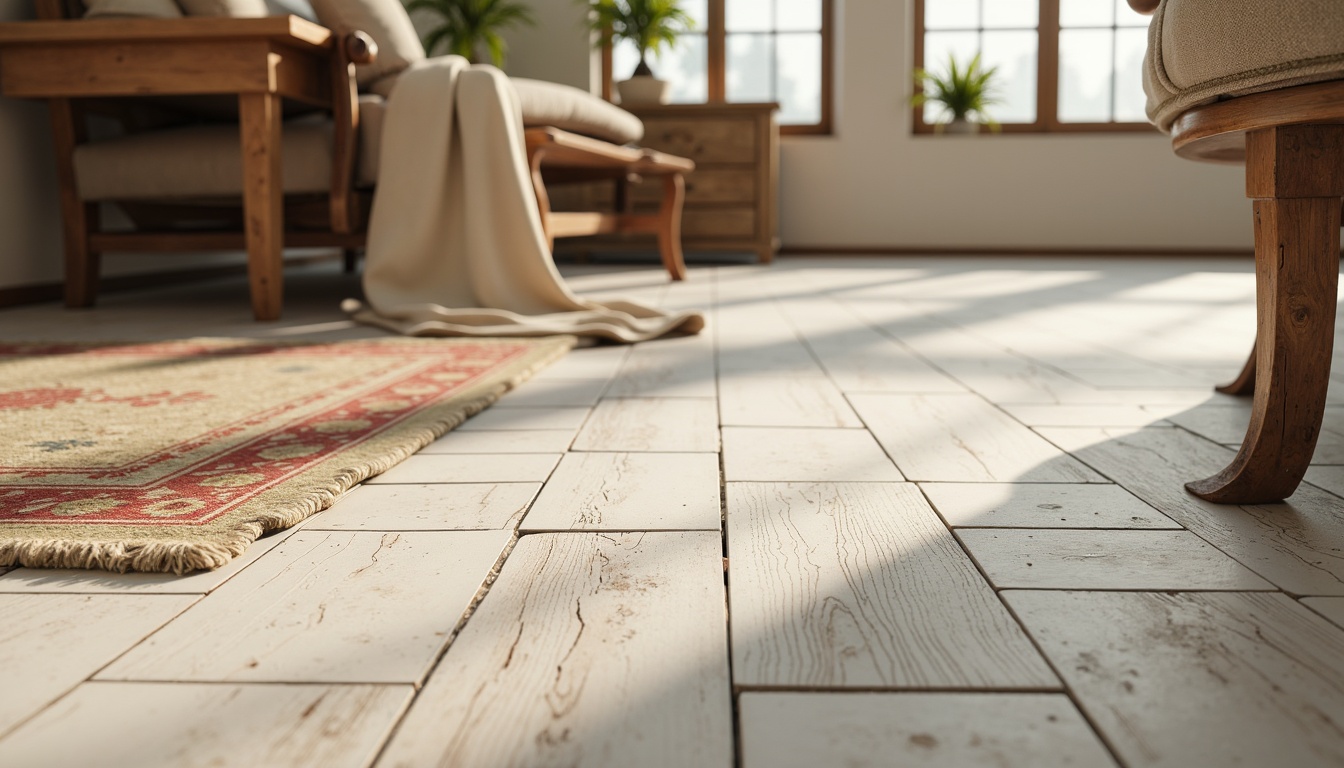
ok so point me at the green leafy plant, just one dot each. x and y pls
(964, 93)
(467, 25)
(649, 24)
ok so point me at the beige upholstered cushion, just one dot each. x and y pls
(386, 22)
(234, 8)
(571, 109)
(1202, 50)
(206, 161)
(157, 9)
(563, 107)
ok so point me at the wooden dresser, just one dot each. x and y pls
(731, 196)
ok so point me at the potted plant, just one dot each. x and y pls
(964, 93)
(649, 24)
(468, 25)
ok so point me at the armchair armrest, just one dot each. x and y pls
(354, 48)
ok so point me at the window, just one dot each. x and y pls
(1063, 65)
(747, 51)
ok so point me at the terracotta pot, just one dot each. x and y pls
(643, 89)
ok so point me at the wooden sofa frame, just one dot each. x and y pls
(89, 67)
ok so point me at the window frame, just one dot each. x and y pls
(1047, 83)
(716, 40)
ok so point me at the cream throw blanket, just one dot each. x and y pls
(455, 243)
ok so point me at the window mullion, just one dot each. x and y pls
(716, 39)
(1047, 71)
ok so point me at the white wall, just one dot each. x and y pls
(873, 183)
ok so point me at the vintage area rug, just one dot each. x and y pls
(175, 456)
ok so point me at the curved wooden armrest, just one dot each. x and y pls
(360, 48)
(1146, 7)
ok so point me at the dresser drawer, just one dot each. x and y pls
(718, 222)
(718, 185)
(724, 140)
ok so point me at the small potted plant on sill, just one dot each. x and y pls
(964, 93)
(467, 26)
(649, 24)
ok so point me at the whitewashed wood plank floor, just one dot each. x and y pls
(883, 512)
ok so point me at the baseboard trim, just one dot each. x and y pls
(41, 293)
(1054, 252)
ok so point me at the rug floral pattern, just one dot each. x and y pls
(214, 441)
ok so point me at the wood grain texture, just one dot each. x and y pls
(1116, 415)
(182, 724)
(553, 392)
(593, 650)
(682, 367)
(1197, 678)
(1041, 505)
(1331, 608)
(860, 359)
(502, 441)
(860, 586)
(430, 507)
(783, 454)
(1154, 560)
(1327, 478)
(326, 607)
(961, 438)
(668, 424)
(263, 200)
(789, 401)
(1227, 425)
(493, 419)
(630, 492)
(1294, 545)
(480, 468)
(1001, 730)
(51, 643)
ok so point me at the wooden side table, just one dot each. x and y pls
(732, 196)
(260, 61)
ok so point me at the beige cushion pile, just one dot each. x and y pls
(1200, 50)
(166, 9)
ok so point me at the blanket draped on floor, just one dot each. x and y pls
(456, 246)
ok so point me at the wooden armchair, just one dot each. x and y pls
(1281, 113)
(301, 183)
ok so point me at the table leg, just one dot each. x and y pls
(1296, 174)
(263, 201)
(669, 225)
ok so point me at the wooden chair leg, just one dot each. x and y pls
(543, 199)
(349, 260)
(78, 217)
(263, 201)
(1244, 384)
(1296, 175)
(669, 225)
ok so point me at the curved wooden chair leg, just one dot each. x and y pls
(1244, 384)
(669, 225)
(1291, 173)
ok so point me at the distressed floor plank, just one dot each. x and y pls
(1206, 679)
(781, 454)
(51, 643)
(503, 441)
(182, 724)
(330, 607)
(859, 585)
(1295, 545)
(970, 730)
(961, 438)
(1153, 560)
(630, 492)
(1041, 505)
(478, 468)
(665, 424)
(783, 401)
(590, 649)
(431, 507)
